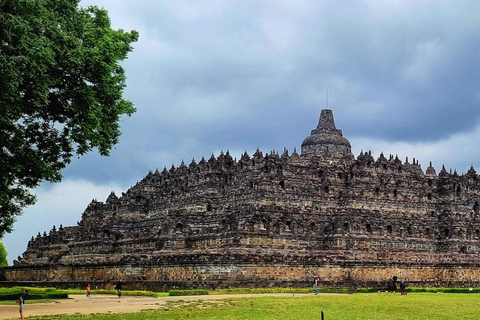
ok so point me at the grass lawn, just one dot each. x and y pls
(359, 306)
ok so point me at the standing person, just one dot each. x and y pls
(88, 290)
(118, 287)
(21, 303)
(392, 285)
(315, 284)
(403, 288)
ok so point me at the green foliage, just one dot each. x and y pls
(193, 292)
(33, 293)
(139, 293)
(134, 293)
(97, 291)
(61, 89)
(3, 256)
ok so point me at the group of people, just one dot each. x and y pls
(392, 286)
(24, 295)
(118, 287)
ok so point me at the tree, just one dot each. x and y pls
(3, 256)
(61, 89)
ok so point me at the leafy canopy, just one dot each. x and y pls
(3, 256)
(61, 89)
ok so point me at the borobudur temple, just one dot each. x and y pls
(274, 219)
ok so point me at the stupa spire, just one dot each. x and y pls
(326, 121)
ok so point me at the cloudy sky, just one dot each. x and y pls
(403, 77)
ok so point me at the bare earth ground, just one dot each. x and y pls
(111, 304)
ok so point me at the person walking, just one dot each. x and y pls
(315, 284)
(118, 287)
(21, 302)
(88, 290)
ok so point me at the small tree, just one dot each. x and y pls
(3, 256)
(61, 89)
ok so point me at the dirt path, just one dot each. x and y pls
(111, 304)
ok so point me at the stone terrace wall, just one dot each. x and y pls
(251, 276)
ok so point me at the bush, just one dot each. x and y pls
(56, 295)
(366, 290)
(194, 292)
(136, 293)
(33, 293)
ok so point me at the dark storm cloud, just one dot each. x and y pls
(402, 77)
(244, 74)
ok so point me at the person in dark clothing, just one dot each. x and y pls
(392, 285)
(118, 287)
(403, 288)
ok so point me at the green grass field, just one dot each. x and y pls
(414, 306)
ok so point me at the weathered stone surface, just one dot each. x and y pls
(271, 217)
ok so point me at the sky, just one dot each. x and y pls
(403, 78)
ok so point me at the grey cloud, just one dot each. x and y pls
(395, 71)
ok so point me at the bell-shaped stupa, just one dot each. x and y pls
(326, 140)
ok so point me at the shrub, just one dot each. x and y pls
(33, 293)
(193, 292)
(56, 295)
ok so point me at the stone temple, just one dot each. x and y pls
(273, 219)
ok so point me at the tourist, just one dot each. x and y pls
(403, 288)
(21, 302)
(118, 287)
(88, 290)
(315, 284)
(392, 285)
